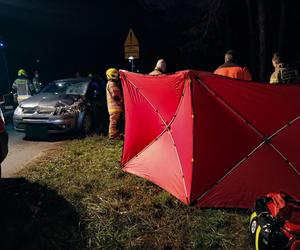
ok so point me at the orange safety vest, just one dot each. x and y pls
(233, 70)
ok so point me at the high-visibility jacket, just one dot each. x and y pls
(24, 88)
(114, 97)
(233, 70)
(283, 74)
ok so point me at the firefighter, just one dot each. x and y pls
(231, 69)
(283, 72)
(22, 86)
(114, 103)
(160, 68)
(36, 82)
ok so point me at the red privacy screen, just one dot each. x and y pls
(212, 141)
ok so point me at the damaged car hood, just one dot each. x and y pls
(49, 100)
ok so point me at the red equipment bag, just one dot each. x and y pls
(275, 222)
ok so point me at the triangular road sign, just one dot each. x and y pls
(131, 46)
(131, 39)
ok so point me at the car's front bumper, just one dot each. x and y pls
(52, 125)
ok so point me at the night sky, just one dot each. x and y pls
(88, 36)
(66, 36)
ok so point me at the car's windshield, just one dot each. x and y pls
(67, 87)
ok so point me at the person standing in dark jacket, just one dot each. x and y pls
(97, 98)
(36, 82)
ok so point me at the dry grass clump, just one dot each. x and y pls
(118, 210)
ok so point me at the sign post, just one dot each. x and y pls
(131, 48)
(131, 58)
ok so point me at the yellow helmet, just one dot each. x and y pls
(22, 72)
(112, 74)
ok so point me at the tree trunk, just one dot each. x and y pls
(262, 40)
(252, 43)
(281, 33)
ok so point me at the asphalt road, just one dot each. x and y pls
(22, 151)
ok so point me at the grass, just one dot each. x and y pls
(118, 210)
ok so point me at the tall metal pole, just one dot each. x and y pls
(132, 65)
(282, 25)
(131, 60)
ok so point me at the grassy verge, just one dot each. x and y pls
(118, 210)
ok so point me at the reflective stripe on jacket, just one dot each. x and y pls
(114, 97)
(23, 86)
(283, 74)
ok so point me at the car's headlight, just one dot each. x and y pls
(65, 110)
(18, 111)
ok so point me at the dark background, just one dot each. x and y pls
(88, 36)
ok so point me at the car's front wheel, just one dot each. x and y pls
(86, 126)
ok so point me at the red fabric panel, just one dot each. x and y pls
(164, 91)
(265, 106)
(288, 143)
(182, 133)
(217, 138)
(264, 172)
(160, 164)
(143, 124)
(221, 140)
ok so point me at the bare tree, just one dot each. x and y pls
(202, 21)
(252, 32)
(262, 39)
(282, 26)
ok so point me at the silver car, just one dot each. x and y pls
(60, 107)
